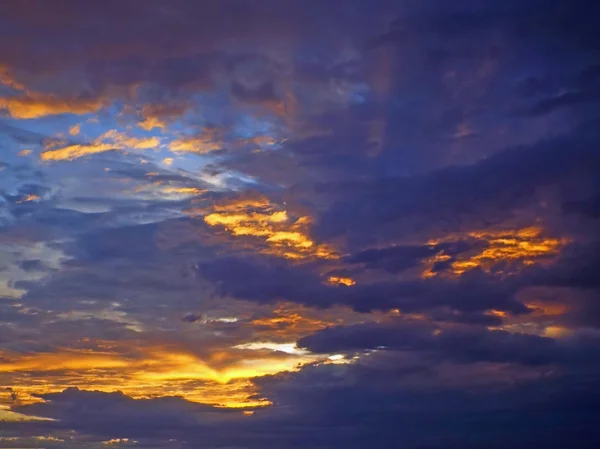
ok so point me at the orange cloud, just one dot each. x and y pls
(337, 280)
(548, 309)
(183, 190)
(221, 379)
(122, 140)
(75, 130)
(157, 115)
(30, 197)
(291, 322)
(170, 190)
(258, 218)
(150, 123)
(525, 246)
(111, 140)
(24, 153)
(75, 151)
(114, 441)
(30, 104)
(8, 80)
(41, 105)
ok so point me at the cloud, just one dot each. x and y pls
(457, 345)
(504, 182)
(194, 145)
(75, 130)
(111, 140)
(365, 225)
(71, 152)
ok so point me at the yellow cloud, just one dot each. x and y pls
(222, 379)
(111, 140)
(122, 140)
(24, 153)
(220, 372)
(194, 145)
(150, 123)
(75, 151)
(183, 190)
(7, 415)
(258, 218)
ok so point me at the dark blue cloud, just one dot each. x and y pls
(392, 125)
(462, 346)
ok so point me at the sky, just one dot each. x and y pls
(299, 224)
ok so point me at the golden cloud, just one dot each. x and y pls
(71, 152)
(150, 123)
(337, 280)
(31, 104)
(221, 379)
(518, 247)
(257, 218)
(40, 105)
(111, 140)
(197, 145)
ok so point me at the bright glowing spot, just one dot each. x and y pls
(226, 320)
(336, 357)
(289, 348)
(168, 161)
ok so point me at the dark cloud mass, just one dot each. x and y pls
(299, 224)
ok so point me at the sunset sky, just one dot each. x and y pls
(305, 224)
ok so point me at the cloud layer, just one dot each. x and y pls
(299, 224)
